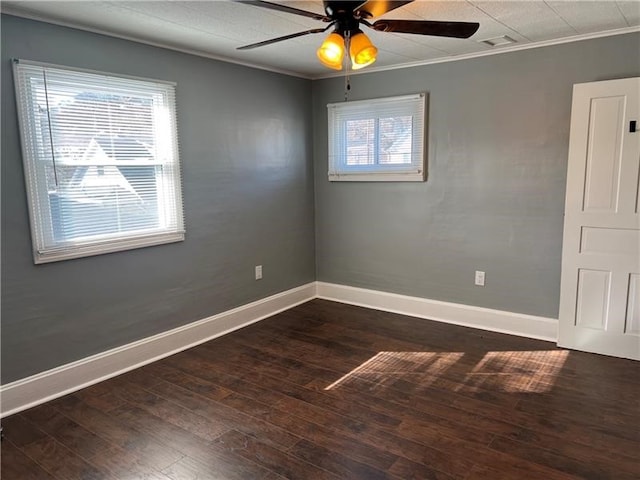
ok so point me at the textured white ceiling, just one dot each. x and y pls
(217, 28)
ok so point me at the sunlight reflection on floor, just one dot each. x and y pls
(504, 371)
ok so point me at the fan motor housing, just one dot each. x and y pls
(340, 9)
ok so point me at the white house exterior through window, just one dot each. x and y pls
(101, 161)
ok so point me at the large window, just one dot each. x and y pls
(101, 161)
(377, 140)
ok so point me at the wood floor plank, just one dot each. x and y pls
(323, 435)
(542, 424)
(591, 469)
(14, 464)
(19, 431)
(244, 399)
(274, 476)
(457, 370)
(292, 370)
(533, 362)
(184, 441)
(272, 458)
(598, 417)
(104, 455)
(183, 378)
(328, 390)
(568, 447)
(117, 432)
(189, 468)
(487, 472)
(419, 453)
(244, 423)
(337, 463)
(353, 408)
(76, 438)
(375, 440)
(354, 403)
(409, 470)
(329, 372)
(62, 463)
(104, 402)
(205, 427)
(502, 460)
(126, 465)
(201, 452)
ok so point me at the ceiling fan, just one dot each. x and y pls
(346, 18)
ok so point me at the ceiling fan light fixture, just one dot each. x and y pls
(361, 51)
(331, 52)
(346, 17)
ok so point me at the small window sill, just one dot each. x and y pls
(88, 250)
(377, 177)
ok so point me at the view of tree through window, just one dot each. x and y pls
(361, 141)
(379, 140)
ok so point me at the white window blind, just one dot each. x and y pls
(377, 140)
(101, 161)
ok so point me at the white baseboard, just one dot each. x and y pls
(42, 387)
(519, 324)
(45, 386)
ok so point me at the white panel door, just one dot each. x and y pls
(600, 286)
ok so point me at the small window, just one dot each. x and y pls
(101, 162)
(377, 140)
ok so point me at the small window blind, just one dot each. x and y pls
(377, 140)
(101, 161)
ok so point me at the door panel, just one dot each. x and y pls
(593, 299)
(632, 321)
(609, 241)
(600, 285)
(603, 154)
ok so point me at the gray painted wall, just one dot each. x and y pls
(497, 145)
(245, 138)
(498, 135)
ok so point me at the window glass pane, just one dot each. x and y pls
(104, 180)
(101, 161)
(93, 201)
(395, 140)
(377, 140)
(360, 142)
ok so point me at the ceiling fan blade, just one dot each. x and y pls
(375, 8)
(280, 39)
(284, 8)
(428, 27)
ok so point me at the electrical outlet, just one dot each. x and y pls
(479, 278)
(258, 272)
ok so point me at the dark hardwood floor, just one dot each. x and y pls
(331, 391)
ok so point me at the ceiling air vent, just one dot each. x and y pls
(498, 41)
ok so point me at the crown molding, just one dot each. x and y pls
(8, 10)
(494, 51)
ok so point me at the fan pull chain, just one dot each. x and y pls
(347, 64)
(347, 87)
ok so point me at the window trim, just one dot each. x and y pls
(338, 171)
(39, 221)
